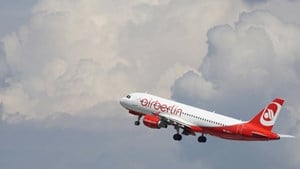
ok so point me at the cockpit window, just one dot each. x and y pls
(128, 96)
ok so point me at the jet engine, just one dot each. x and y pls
(154, 122)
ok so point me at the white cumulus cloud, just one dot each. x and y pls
(73, 55)
(247, 65)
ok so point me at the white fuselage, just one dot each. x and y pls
(150, 104)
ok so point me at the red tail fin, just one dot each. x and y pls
(266, 118)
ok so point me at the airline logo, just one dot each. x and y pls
(268, 116)
(158, 106)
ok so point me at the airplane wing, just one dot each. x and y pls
(188, 128)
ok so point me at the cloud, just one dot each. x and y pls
(256, 56)
(13, 14)
(72, 56)
(287, 11)
(65, 60)
(254, 2)
(245, 66)
(4, 70)
(31, 145)
(192, 85)
(63, 72)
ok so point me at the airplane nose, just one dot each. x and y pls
(123, 102)
(126, 102)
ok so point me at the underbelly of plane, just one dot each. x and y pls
(235, 135)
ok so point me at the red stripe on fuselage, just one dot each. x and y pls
(241, 132)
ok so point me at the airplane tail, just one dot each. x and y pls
(266, 118)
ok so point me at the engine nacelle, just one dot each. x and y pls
(154, 122)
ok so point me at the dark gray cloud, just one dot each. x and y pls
(13, 14)
(255, 2)
(117, 143)
(31, 145)
(4, 70)
(230, 154)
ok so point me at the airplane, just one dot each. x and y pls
(159, 113)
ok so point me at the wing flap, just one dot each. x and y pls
(185, 125)
(176, 119)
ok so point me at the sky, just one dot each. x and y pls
(65, 64)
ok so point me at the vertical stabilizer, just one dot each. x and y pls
(266, 118)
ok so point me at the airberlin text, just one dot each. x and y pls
(156, 105)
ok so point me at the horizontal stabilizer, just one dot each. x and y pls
(285, 136)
